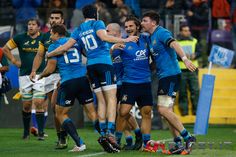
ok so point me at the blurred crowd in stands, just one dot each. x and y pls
(203, 16)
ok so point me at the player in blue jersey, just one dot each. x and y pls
(74, 84)
(164, 48)
(114, 29)
(92, 35)
(136, 81)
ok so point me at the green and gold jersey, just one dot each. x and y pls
(46, 41)
(28, 48)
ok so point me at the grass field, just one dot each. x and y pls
(12, 145)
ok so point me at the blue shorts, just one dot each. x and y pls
(101, 75)
(140, 93)
(169, 85)
(75, 88)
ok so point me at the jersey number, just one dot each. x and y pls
(89, 42)
(75, 54)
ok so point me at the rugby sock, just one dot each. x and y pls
(26, 122)
(146, 138)
(96, 126)
(118, 136)
(129, 140)
(111, 127)
(178, 141)
(185, 134)
(33, 116)
(63, 135)
(45, 118)
(138, 132)
(71, 130)
(40, 121)
(58, 135)
(103, 127)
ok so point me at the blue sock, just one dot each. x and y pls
(178, 141)
(138, 132)
(146, 138)
(45, 118)
(118, 136)
(185, 134)
(71, 130)
(33, 117)
(129, 140)
(111, 127)
(103, 127)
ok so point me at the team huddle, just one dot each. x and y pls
(117, 71)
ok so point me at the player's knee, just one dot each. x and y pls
(123, 113)
(146, 112)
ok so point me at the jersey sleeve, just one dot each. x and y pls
(50, 49)
(13, 43)
(75, 34)
(165, 37)
(4, 61)
(99, 25)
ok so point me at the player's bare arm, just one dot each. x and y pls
(37, 62)
(62, 49)
(102, 34)
(49, 69)
(9, 55)
(175, 45)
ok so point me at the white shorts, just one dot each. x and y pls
(51, 82)
(30, 89)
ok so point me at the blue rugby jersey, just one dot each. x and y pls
(70, 63)
(164, 56)
(135, 59)
(97, 50)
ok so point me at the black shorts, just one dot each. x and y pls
(118, 93)
(169, 85)
(140, 93)
(101, 75)
(76, 88)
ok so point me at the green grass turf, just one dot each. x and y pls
(11, 144)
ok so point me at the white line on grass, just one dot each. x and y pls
(93, 154)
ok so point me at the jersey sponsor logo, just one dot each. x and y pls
(154, 42)
(141, 55)
(117, 59)
(68, 102)
(86, 32)
(161, 92)
(130, 48)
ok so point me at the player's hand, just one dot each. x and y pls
(131, 38)
(189, 65)
(118, 46)
(32, 76)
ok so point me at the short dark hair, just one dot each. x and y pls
(182, 26)
(89, 11)
(153, 15)
(60, 29)
(34, 19)
(135, 19)
(57, 11)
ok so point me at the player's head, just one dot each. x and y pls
(114, 29)
(33, 26)
(56, 17)
(58, 31)
(185, 30)
(132, 25)
(90, 11)
(150, 20)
